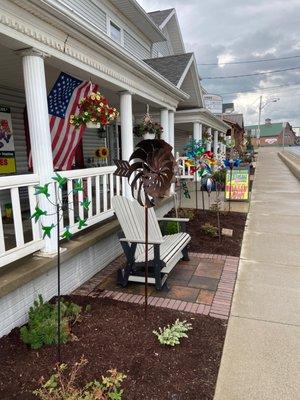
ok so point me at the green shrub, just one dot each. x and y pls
(42, 325)
(209, 229)
(172, 228)
(62, 385)
(171, 335)
(219, 177)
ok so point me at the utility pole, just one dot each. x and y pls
(283, 135)
(258, 126)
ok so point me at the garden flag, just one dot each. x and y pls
(63, 102)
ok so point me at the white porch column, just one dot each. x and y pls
(126, 133)
(216, 142)
(197, 131)
(172, 141)
(208, 144)
(40, 138)
(164, 121)
(171, 130)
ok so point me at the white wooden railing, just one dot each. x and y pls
(18, 247)
(183, 169)
(100, 185)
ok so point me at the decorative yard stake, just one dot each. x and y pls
(150, 176)
(60, 208)
(231, 164)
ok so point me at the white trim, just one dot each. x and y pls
(180, 82)
(111, 21)
(167, 19)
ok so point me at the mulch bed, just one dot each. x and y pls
(115, 335)
(202, 243)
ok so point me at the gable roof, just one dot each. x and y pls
(266, 130)
(237, 119)
(171, 67)
(158, 17)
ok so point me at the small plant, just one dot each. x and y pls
(62, 385)
(42, 325)
(209, 230)
(187, 213)
(171, 335)
(219, 177)
(172, 228)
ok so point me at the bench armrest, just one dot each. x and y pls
(174, 219)
(141, 241)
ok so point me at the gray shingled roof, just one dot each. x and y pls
(170, 67)
(158, 17)
(235, 118)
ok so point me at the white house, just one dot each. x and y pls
(137, 59)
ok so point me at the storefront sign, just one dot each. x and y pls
(7, 147)
(214, 103)
(239, 184)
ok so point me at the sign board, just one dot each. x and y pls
(214, 103)
(239, 184)
(7, 147)
(271, 140)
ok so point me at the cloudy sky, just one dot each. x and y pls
(222, 31)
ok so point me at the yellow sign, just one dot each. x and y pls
(7, 163)
(239, 179)
(7, 147)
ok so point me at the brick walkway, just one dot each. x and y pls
(203, 285)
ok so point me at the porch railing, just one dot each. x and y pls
(21, 236)
(183, 168)
(16, 241)
(100, 185)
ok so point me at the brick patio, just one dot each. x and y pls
(203, 285)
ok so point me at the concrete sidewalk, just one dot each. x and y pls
(261, 356)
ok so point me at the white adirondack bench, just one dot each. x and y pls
(164, 251)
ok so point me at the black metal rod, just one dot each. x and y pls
(58, 288)
(230, 184)
(196, 191)
(146, 261)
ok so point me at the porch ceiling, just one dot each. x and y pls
(11, 76)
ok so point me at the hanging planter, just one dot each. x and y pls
(94, 112)
(148, 129)
(148, 135)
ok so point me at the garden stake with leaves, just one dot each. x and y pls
(152, 171)
(60, 183)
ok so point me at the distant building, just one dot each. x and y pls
(236, 122)
(271, 133)
(228, 108)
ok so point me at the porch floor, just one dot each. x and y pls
(203, 285)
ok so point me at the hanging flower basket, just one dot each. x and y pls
(148, 129)
(94, 111)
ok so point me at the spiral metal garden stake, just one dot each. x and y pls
(152, 171)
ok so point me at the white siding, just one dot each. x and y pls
(135, 47)
(88, 11)
(160, 49)
(181, 139)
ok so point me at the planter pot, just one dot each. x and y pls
(91, 125)
(148, 135)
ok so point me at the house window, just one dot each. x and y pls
(115, 32)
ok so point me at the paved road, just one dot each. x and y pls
(261, 356)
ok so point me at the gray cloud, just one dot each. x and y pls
(244, 30)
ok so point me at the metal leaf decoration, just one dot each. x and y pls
(152, 171)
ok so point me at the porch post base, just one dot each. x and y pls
(48, 254)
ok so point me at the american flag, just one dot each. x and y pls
(63, 102)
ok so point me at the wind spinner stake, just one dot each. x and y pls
(149, 175)
(61, 206)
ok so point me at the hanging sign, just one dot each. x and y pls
(239, 184)
(7, 147)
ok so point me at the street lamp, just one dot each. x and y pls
(261, 107)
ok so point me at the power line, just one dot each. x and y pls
(250, 61)
(257, 90)
(255, 74)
